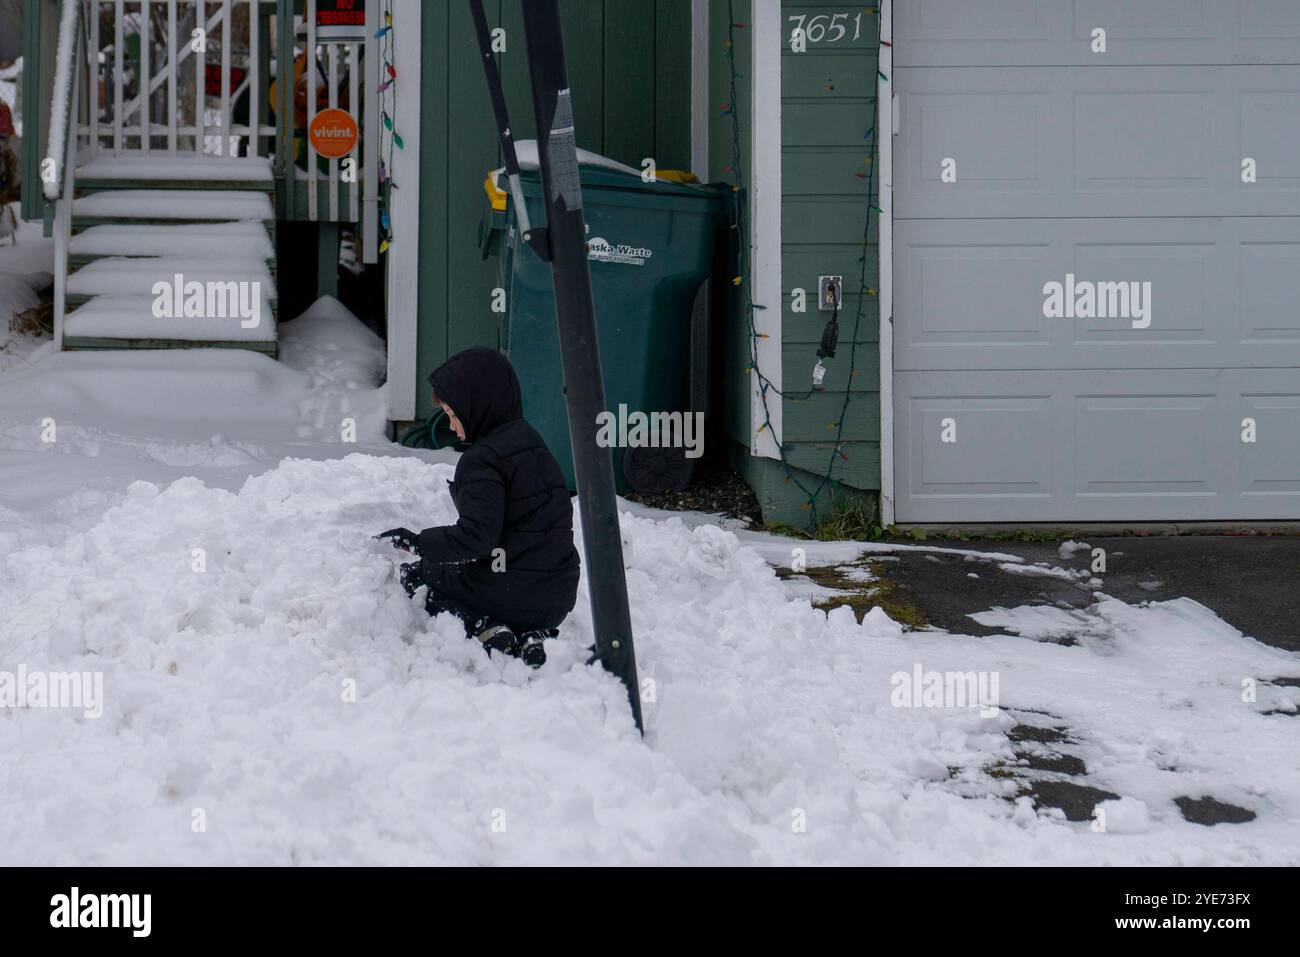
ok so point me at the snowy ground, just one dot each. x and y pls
(292, 698)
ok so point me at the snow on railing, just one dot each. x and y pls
(65, 72)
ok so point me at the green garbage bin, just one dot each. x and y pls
(650, 248)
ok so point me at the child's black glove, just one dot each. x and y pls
(402, 538)
(410, 578)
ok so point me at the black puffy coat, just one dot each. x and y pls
(510, 494)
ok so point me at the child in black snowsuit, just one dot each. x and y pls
(508, 567)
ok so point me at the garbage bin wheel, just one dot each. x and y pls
(651, 471)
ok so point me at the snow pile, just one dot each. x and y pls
(773, 736)
(1082, 577)
(199, 533)
(1067, 548)
(1124, 816)
(218, 414)
(333, 349)
(1041, 622)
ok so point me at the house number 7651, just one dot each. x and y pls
(817, 29)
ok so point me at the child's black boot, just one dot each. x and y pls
(495, 636)
(531, 649)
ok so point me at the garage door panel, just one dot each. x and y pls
(1268, 19)
(969, 294)
(1017, 168)
(1270, 295)
(970, 26)
(1143, 140)
(1146, 444)
(1270, 465)
(994, 136)
(975, 445)
(953, 291)
(1270, 135)
(1060, 32)
(1136, 445)
(1188, 310)
(1108, 291)
(1131, 141)
(1127, 20)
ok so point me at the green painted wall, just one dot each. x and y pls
(629, 69)
(827, 110)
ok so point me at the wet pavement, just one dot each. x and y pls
(1251, 582)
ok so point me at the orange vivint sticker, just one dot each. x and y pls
(333, 133)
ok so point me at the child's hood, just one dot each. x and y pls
(482, 389)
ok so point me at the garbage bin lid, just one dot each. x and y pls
(595, 170)
(526, 153)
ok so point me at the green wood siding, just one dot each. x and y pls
(629, 69)
(827, 108)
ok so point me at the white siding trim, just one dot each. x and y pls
(404, 253)
(885, 173)
(765, 220)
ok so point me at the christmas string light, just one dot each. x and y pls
(741, 281)
(387, 92)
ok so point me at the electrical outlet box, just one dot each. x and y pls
(830, 293)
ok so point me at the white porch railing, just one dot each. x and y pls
(59, 168)
(196, 80)
(141, 101)
(345, 54)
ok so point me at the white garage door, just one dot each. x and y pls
(1144, 156)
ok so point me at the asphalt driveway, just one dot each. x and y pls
(1251, 582)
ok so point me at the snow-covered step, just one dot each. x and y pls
(128, 322)
(181, 171)
(168, 205)
(248, 240)
(136, 277)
